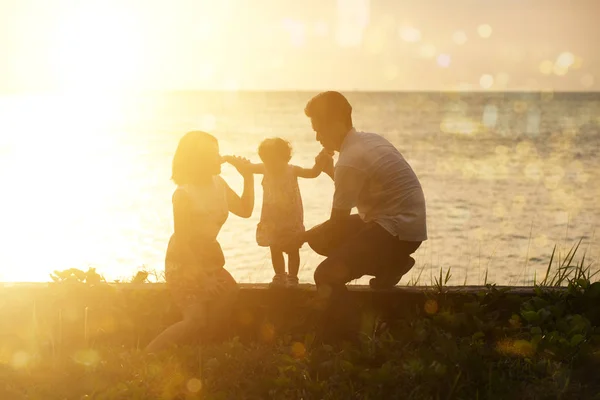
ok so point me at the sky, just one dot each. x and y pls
(299, 45)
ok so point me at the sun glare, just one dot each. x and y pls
(98, 48)
(55, 164)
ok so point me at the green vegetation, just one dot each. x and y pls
(443, 345)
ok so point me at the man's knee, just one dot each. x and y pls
(326, 237)
(319, 247)
(332, 271)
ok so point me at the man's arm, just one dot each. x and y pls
(339, 213)
(349, 182)
(348, 185)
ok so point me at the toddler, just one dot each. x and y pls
(282, 213)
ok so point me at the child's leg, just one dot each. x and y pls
(278, 261)
(294, 263)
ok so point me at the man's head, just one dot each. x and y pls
(330, 114)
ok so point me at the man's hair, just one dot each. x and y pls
(329, 105)
(275, 149)
(187, 160)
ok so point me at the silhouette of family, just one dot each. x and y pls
(370, 175)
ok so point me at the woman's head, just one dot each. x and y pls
(275, 152)
(196, 158)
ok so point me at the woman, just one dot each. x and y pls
(200, 286)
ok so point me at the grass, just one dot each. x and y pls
(487, 345)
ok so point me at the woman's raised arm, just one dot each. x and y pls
(242, 206)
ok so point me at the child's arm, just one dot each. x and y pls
(257, 168)
(254, 168)
(308, 173)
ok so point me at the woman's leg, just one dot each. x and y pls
(194, 320)
(220, 308)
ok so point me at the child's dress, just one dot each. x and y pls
(282, 211)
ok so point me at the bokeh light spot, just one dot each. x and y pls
(533, 172)
(565, 60)
(499, 211)
(520, 106)
(298, 350)
(459, 37)
(375, 41)
(431, 306)
(546, 67)
(459, 125)
(87, 357)
(20, 359)
(518, 202)
(582, 177)
(352, 19)
(427, 51)
(501, 151)
(443, 60)
(484, 30)
(486, 81)
(561, 217)
(520, 348)
(559, 71)
(410, 34)
(267, 332)
(194, 385)
(490, 116)
(524, 148)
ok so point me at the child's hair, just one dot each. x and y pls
(275, 149)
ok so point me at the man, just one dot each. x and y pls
(372, 176)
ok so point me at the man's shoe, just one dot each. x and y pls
(388, 282)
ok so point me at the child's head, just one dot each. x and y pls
(275, 152)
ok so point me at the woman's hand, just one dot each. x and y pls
(243, 165)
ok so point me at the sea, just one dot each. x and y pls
(509, 178)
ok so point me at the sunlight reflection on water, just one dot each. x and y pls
(86, 178)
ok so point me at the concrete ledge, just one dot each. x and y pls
(526, 290)
(125, 314)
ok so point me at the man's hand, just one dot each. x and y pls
(324, 161)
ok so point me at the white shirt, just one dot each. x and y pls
(372, 176)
